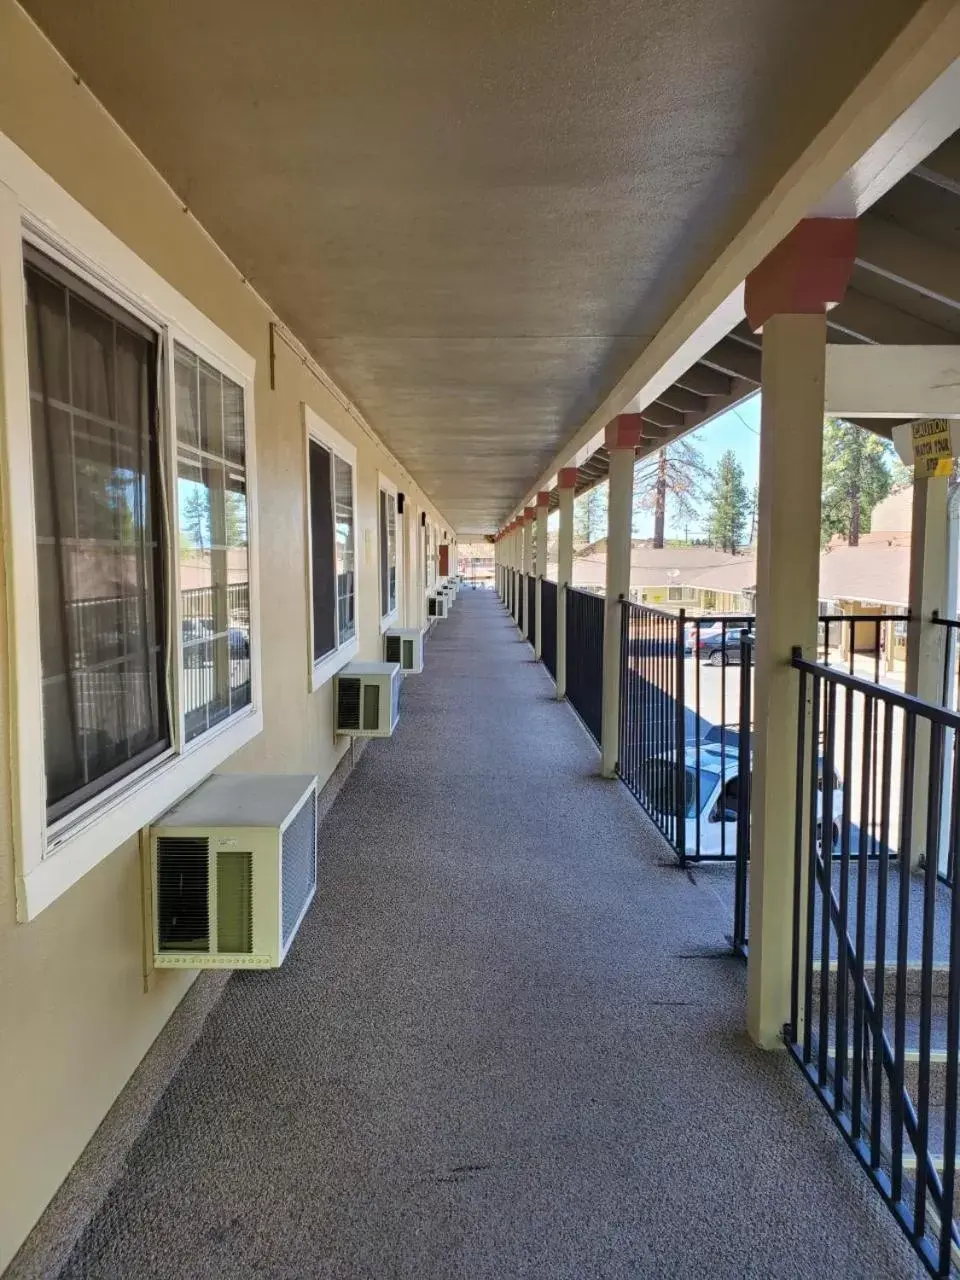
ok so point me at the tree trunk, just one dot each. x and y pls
(660, 502)
(854, 539)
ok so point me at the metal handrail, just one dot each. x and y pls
(893, 697)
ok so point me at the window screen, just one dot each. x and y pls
(346, 590)
(324, 591)
(93, 372)
(388, 552)
(214, 550)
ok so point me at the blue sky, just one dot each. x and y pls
(737, 429)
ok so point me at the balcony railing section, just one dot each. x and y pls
(548, 625)
(875, 1009)
(584, 626)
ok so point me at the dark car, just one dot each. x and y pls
(722, 648)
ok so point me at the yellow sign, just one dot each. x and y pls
(932, 450)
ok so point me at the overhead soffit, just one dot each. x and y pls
(904, 290)
(473, 215)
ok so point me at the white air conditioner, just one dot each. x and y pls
(405, 646)
(234, 868)
(438, 606)
(366, 699)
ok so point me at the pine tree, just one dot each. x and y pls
(730, 504)
(590, 515)
(856, 476)
(675, 475)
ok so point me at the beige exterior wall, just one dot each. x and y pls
(74, 1017)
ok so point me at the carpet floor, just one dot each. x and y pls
(508, 1042)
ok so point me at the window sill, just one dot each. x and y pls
(389, 620)
(76, 848)
(324, 670)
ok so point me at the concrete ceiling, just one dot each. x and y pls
(474, 215)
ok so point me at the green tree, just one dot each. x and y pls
(675, 474)
(590, 515)
(729, 504)
(856, 476)
(195, 519)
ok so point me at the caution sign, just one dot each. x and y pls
(932, 448)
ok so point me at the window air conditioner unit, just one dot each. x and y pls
(438, 606)
(233, 871)
(405, 646)
(367, 699)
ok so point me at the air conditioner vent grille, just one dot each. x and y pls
(392, 648)
(298, 865)
(348, 702)
(407, 655)
(371, 706)
(183, 906)
(234, 902)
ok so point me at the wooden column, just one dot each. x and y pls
(787, 296)
(540, 566)
(622, 437)
(566, 488)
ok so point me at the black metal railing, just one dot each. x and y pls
(584, 626)
(875, 996)
(858, 643)
(741, 882)
(682, 715)
(651, 754)
(532, 608)
(680, 725)
(548, 625)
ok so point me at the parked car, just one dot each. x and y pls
(693, 633)
(238, 639)
(722, 648)
(715, 799)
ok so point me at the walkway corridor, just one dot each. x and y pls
(507, 1043)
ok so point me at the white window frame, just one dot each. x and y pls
(386, 485)
(325, 668)
(50, 859)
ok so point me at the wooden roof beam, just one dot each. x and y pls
(704, 381)
(685, 401)
(735, 360)
(909, 259)
(942, 167)
(660, 415)
(870, 320)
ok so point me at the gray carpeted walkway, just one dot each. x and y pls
(506, 1043)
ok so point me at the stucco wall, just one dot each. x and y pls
(74, 1017)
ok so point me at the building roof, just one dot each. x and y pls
(894, 514)
(736, 575)
(876, 572)
(654, 567)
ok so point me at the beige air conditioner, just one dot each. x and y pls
(233, 871)
(438, 605)
(367, 699)
(404, 645)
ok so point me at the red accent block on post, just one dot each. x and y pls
(624, 432)
(543, 498)
(806, 273)
(567, 478)
(530, 513)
